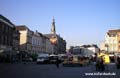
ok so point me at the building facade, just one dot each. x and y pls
(93, 48)
(41, 44)
(61, 44)
(9, 37)
(112, 41)
(33, 42)
(85, 50)
(25, 39)
(102, 46)
(36, 42)
(49, 46)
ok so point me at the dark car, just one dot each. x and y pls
(53, 58)
(41, 60)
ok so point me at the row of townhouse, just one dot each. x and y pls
(16, 40)
(33, 42)
(21, 41)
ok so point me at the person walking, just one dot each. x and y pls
(118, 62)
(57, 62)
(100, 64)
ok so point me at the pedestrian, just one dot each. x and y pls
(118, 63)
(100, 64)
(57, 62)
(97, 65)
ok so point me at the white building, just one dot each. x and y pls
(78, 50)
(41, 44)
(112, 41)
(25, 39)
(36, 42)
(102, 46)
(93, 49)
(86, 50)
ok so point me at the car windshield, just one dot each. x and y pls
(42, 57)
(53, 57)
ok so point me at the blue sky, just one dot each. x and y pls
(77, 21)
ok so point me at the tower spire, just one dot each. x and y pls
(53, 31)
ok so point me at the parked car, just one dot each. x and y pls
(43, 58)
(27, 59)
(53, 58)
(62, 57)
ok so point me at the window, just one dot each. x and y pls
(6, 40)
(113, 35)
(1, 39)
(6, 29)
(119, 41)
(119, 47)
(2, 27)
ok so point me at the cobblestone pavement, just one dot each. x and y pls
(32, 70)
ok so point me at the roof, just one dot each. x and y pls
(113, 32)
(40, 34)
(87, 46)
(117, 30)
(21, 27)
(6, 21)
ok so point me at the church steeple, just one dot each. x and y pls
(53, 31)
